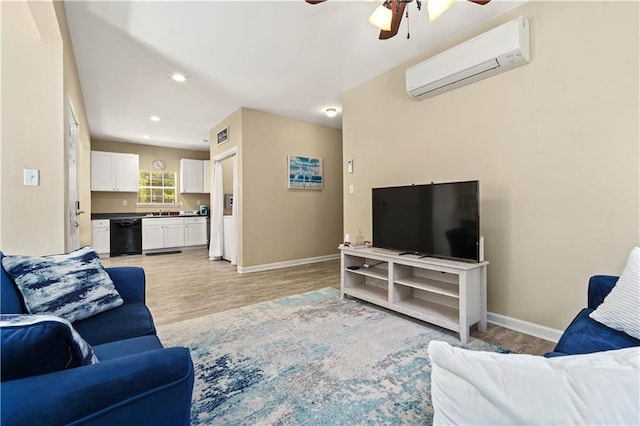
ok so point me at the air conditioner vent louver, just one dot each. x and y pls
(498, 50)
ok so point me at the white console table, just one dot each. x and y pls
(447, 293)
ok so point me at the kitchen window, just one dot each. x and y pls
(157, 188)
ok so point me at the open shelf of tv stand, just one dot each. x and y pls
(447, 293)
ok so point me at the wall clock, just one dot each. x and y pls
(158, 165)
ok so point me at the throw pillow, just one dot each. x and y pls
(469, 387)
(620, 310)
(40, 344)
(73, 286)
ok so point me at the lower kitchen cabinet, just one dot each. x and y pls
(174, 232)
(195, 231)
(101, 236)
(162, 233)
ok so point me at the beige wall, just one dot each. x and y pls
(32, 217)
(111, 202)
(555, 145)
(279, 224)
(73, 93)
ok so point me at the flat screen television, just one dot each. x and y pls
(437, 220)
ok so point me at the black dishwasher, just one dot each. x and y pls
(126, 236)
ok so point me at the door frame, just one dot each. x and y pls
(236, 202)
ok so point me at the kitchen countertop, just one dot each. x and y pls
(131, 215)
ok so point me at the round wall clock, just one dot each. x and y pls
(158, 165)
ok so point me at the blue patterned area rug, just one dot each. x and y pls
(310, 359)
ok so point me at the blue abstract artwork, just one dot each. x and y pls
(305, 172)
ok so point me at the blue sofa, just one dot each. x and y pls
(136, 381)
(585, 335)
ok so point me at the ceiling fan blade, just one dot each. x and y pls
(315, 1)
(480, 2)
(397, 7)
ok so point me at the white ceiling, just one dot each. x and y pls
(284, 57)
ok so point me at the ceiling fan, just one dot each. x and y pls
(389, 14)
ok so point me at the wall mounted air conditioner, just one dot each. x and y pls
(496, 51)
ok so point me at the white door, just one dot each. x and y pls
(73, 201)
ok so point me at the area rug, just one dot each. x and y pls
(310, 359)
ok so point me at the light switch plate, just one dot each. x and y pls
(31, 177)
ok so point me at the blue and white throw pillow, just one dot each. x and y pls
(39, 344)
(73, 286)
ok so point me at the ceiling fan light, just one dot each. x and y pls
(437, 8)
(179, 77)
(381, 18)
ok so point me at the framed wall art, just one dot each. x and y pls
(304, 172)
(223, 135)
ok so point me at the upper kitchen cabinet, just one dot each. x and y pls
(112, 171)
(192, 176)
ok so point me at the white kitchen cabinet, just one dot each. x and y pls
(101, 236)
(191, 176)
(206, 185)
(112, 171)
(174, 234)
(159, 233)
(195, 231)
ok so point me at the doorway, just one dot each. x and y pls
(224, 228)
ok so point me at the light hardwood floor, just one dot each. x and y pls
(187, 285)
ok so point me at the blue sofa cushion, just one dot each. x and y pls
(10, 300)
(38, 344)
(124, 322)
(585, 335)
(127, 347)
(73, 286)
(149, 388)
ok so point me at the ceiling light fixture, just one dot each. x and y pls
(381, 17)
(154, 118)
(435, 8)
(331, 112)
(145, 137)
(179, 77)
(389, 14)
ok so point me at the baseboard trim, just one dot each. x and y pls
(526, 327)
(286, 264)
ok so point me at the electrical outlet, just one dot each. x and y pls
(124, 202)
(197, 202)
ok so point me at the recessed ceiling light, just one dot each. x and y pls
(331, 112)
(154, 118)
(179, 77)
(145, 136)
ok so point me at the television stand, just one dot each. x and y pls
(446, 293)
